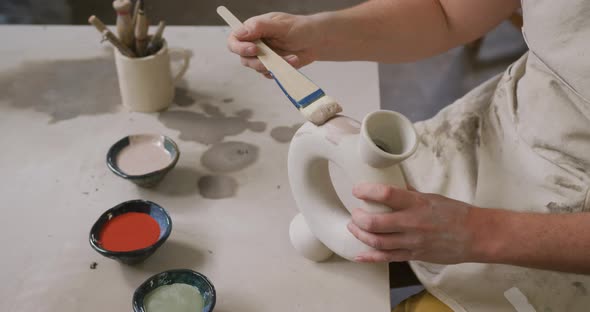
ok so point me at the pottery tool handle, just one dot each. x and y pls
(156, 41)
(108, 35)
(141, 31)
(135, 11)
(283, 72)
(124, 22)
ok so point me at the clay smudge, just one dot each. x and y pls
(227, 100)
(563, 208)
(443, 129)
(467, 134)
(229, 156)
(183, 97)
(63, 89)
(257, 126)
(580, 288)
(244, 113)
(284, 134)
(571, 163)
(217, 187)
(565, 183)
(207, 129)
(211, 110)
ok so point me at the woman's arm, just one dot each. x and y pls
(437, 229)
(407, 30)
(558, 242)
(377, 30)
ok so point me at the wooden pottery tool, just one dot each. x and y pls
(156, 42)
(108, 35)
(124, 22)
(141, 31)
(135, 11)
(307, 97)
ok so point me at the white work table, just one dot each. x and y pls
(59, 114)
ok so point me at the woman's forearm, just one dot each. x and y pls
(558, 242)
(406, 30)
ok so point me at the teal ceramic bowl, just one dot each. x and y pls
(183, 276)
(134, 256)
(158, 143)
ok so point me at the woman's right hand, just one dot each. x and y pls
(295, 37)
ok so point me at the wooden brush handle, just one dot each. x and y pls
(124, 23)
(297, 85)
(141, 34)
(108, 35)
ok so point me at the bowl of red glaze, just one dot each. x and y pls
(131, 231)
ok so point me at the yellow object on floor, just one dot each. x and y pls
(422, 302)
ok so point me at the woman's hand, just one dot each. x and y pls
(425, 227)
(294, 37)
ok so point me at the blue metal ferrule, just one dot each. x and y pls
(310, 98)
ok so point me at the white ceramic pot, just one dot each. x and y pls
(368, 152)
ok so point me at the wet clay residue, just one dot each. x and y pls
(63, 89)
(213, 110)
(228, 100)
(245, 113)
(565, 183)
(183, 97)
(465, 136)
(284, 134)
(467, 133)
(217, 187)
(229, 156)
(564, 208)
(207, 128)
(572, 163)
(580, 288)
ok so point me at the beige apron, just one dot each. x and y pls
(520, 141)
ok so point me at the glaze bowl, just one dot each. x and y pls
(184, 276)
(148, 178)
(139, 255)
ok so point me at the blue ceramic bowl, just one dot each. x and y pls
(189, 277)
(149, 179)
(139, 255)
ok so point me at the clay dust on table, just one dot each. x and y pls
(209, 127)
(284, 134)
(63, 89)
(229, 156)
(217, 187)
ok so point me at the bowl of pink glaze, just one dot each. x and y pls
(143, 159)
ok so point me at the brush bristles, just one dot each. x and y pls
(321, 110)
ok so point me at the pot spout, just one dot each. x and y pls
(387, 138)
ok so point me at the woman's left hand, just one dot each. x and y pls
(426, 227)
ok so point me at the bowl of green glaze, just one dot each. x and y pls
(175, 290)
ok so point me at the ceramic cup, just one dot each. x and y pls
(147, 84)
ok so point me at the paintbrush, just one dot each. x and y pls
(309, 99)
(108, 35)
(135, 10)
(124, 22)
(141, 31)
(156, 41)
